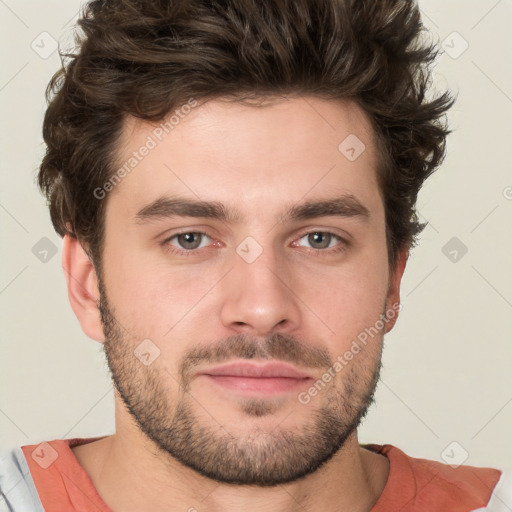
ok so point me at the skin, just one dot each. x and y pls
(258, 160)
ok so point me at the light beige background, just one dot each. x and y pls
(447, 365)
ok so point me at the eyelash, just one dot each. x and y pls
(315, 252)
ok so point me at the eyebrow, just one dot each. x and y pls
(345, 206)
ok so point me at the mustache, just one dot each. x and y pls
(275, 347)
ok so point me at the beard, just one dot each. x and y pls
(257, 456)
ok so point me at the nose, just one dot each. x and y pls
(259, 296)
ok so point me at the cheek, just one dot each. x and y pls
(149, 296)
(351, 297)
(353, 309)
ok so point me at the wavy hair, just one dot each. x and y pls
(144, 58)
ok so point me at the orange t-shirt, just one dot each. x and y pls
(414, 485)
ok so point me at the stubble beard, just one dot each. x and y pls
(258, 457)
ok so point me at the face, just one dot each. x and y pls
(230, 327)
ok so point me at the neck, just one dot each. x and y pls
(131, 474)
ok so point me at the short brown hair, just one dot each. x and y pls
(145, 58)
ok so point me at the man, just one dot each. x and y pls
(235, 182)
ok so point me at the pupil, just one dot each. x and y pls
(318, 235)
(189, 238)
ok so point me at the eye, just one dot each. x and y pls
(322, 240)
(188, 242)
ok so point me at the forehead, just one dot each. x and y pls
(244, 154)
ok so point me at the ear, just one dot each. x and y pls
(393, 299)
(82, 285)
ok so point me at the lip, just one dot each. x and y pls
(253, 379)
(267, 370)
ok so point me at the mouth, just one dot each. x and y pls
(263, 379)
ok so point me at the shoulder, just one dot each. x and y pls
(17, 489)
(424, 483)
(454, 479)
(31, 477)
